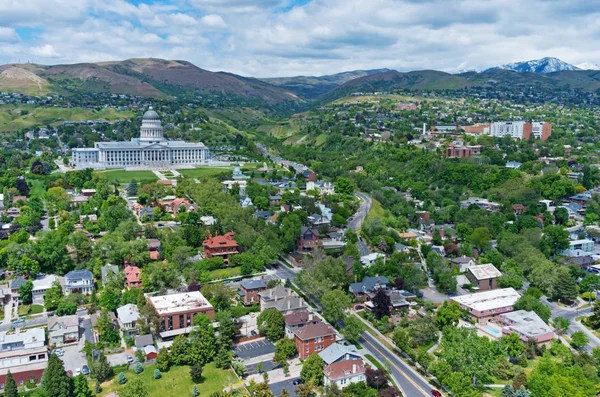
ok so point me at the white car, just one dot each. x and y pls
(77, 371)
(59, 352)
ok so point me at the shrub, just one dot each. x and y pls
(157, 374)
(196, 373)
(138, 368)
(122, 379)
(195, 391)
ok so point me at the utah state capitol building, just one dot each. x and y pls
(150, 150)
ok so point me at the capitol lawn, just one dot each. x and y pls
(123, 177)
(175, 382)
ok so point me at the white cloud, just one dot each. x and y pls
(8, 35)
(213, 21)
(44, 51)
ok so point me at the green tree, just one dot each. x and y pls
(381, 304)
(25, 292)
(512, 345)
(284, 349)
(312, 370)
(134, 388)
(53, 296)
(138, 369)
(564, 287)
(10, 387)
(196, 373)
(529, 302)
(56, 383)
(353, 328)
(163, 361)
(132, 188)
(507, 391)
(223, 357)
(102, 368)
(579, 340)
(271, 323)
(195, 391)
(80, 386)
(335, 303)
(343, 186)
(122, 379)
(481, 238)
(561, 215)
(401, 339)
(556, 238)
(423, 330)
(448, 314)
(561, 325)
(157, 374)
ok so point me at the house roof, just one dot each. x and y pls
(489, 300)
(79, 274)
(526, 323)
(345, 369)
(462, 259)
(128, 313)
(149, 349)
(368, 284)
(336, 351)
(153, 243)
(287, 303)
(17, 283)
(104, 271)
(154, 255)
(132, 274)
(253, 284)
(297, 318)
(63, 325)
(225, 240)
(484, 271)
(142, 341)
(311, 331)
(278, 292)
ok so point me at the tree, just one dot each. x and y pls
(21, 185)
(556, 238)
(25, 292)
(561, 325)
(135, 388)
(132, 188)
(122, 379)
(530, 302)
(138, 369)
(564, 287)
(53, 296)
(343, 186)
(335, 303)
(507, 391)
(353, 328)
(389, 392)
(376, 378)
(157, 374)
(512, 345)
(312, 370)
(561, 215)
(423, 330)
(522, 392)
(81, 387)
(66, 308)
(10, 387)
(381, 304)
(56, 383)
(448, 314)
(163, 360)
(227, 328)
(102, 368)
(223, 358)
(271, 323)
(179, 350)
(284, 349)
(401, 339)
(481, 238)
(195, 391)
(579, 340)
(196, 373)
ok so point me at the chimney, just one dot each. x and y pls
(289, 304)
(353, 368)
(310, 317)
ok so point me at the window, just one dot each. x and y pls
(32, 358)
(41, 356)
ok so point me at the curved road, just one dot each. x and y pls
(362, 212)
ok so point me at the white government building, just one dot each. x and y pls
(150, 150)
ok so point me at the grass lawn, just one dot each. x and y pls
(176, 382)
(225, 273)
(23, 310)
(124, 177)
(202, 172)
(36, 309)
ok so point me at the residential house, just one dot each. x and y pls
(399, 247)
(79, 281)
(150, 352)
(462, 262)
(344, 373)
(24, 354)
(484, 276)
(283, 299)
(313, 338)
(250, 291)
(483, 306)
(178, 204)
(338, 352)
(93, 218)
(128, 316)
(298, 319)
(518, 209)
(133, 276)
(582, 245)
(482, 203)
(370, 259)
(275, 200)
(63, 330)
(308, 239)
(141, 341)
(107, 272)
(368, 285)
(318, 220)
(528, 325)
(40, 286)
(246, 202)
(324, 188)
(223, 246)
(16, 284)
(177, 311)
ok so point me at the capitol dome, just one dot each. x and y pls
(150, 115)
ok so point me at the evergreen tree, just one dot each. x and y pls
(522, 392)
(508, 391)
(122, 379)
(56, 382)
(223, 358)
(157, 374)
(195, 391)
(163, 360)
(132, 188)
(196, 373)
(564, 286)
(10, 387)
(102, 368)
(138, 368)
(81, 388)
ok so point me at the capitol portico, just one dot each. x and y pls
(150, 150)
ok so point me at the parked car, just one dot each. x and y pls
(69, 373)
(436, 393)
(18, 321)
(130, 359)
(296, 382)
(253, 332)
(85, 370)
(77, 371)
(59, 352)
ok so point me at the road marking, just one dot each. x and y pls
(398, 369)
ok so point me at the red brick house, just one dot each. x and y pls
(313, 338)
(133, 276)
(250, 291)
(308, 239)
(223, 246)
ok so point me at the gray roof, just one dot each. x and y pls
(79, 275)
(253, 284)
(142, 341)
(106, 270)
(368, 284)
(128, 313)
(17, 283)
(336, 351)
(151, 115)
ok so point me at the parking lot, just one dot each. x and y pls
(73, 357)
(268, 365)
(278, 387)
(254, 349)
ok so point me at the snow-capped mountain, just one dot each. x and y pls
(544, 65)
(588, 66)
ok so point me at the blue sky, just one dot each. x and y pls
(266, 38)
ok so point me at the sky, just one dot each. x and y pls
(270, 38)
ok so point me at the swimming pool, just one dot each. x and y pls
(492, 331)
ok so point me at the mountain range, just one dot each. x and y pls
(161, 78)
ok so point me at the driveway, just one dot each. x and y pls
(254, 349)
(73, 357)
(117, 359)
(278, 387)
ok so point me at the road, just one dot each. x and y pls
(363, 211)
(574, 326)
(412, 384)
(299, 168)
(36, 321)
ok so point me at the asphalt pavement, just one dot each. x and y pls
(278, 387)
(363, 211)
(411, 383)
(33, 322)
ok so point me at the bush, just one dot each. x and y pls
(195, 391)
(196, 373)
(138, 368)
(122, 379)
(157, 374)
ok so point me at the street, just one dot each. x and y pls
(410, 383)
(362, 212)
(34, 322)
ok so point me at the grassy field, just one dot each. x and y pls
(124, 177)
(202, 172)
(176, 382)
(225, 273)
(17, 117)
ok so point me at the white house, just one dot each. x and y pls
(344, 373)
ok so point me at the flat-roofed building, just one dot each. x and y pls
(484, 276)
(177, 311)
(528, 325)
(24, 354)
(485, 305)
